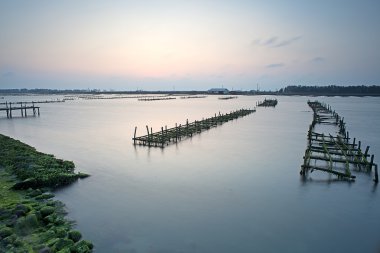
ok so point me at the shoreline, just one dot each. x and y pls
(30, 220)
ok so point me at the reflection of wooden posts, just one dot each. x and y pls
(371, 162)
(376, 175)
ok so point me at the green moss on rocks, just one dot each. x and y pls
(75, 235)
(46, 210)
(35, 169)
(5, 232)
(30, 220)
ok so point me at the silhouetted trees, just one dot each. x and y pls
(330, 90)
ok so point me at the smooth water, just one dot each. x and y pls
(234, 188)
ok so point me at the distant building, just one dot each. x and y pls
(218, 91)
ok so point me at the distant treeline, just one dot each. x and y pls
(330, 90)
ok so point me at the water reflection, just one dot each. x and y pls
(234, 188)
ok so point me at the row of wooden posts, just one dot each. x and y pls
(24, 107)
(329, 153)
(227, 98)
(175, 134)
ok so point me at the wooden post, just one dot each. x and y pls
(147, 129)
(134, 136)
(376, 175)
(22, 113)
(6, 106)
(187, 126)
(366, 152)
(359, 145)
(162, 136)
(176, 133)
(10, 109)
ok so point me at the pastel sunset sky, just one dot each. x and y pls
(188, 45)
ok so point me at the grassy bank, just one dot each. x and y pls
(30, 220)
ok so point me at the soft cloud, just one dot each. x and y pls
(317, 59)
(287, 42)
(275, 65)
(274, 42)
(271, 41)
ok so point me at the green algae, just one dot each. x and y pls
(35, 169)
(30, 220)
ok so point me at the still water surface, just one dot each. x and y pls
(234, 188)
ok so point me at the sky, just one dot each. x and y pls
(188, 45)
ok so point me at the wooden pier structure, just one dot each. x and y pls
(337, 155)
(226, 98)
(23, 107)
(156, 98)
(179, 132)
(267, 103)
(189, 97)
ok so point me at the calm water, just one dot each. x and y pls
(234, 188)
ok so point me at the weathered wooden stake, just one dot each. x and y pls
(162, 136)
(134, 136)
(147, 129)
(22, 112)
(176, 133)
(366, 151)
